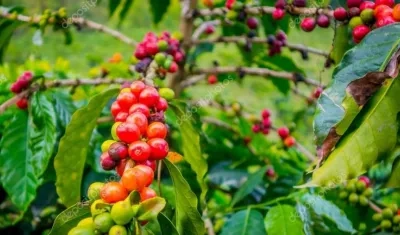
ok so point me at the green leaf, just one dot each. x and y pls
(17, 171)
(150, 208)
(191, 148)
(7, 28)
(200, 49)
(329, 211)
(64, 107)
(394, 179)
(44, 137)
(187, 216)
(283, 220)
(69, 218)
(70, 159)
(341, 43)
(250, 184)
(368, 135)
(158, 9)
(246, 222)
(166, 225)
(125, 9)
(112, 6)
(357, 77)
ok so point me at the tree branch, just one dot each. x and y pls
(78, 21)
(256, 71)
(261, 10)
(237, 39)
(60, 83)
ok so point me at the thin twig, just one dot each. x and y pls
(159, 168)
(374, 207)
(74, 20)
(255, 71)
(237, 39)
(60, 83)
(200, 30)
(261, 10)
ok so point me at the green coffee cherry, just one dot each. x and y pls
(94, 191)
(360, 186)
(114, 130)
(386, 224)
(394, 208)
(343, 195)
(160, 58)
(87, 222)
(103, 222)
(387, 213)
(368, 192)
(362, 227)
(118, 230)
(93, 210)
(351, 187)
(167, 63)
(122, 213)
(162, 45)
(363, 200)
(231, 15)
(236, 107)
(355, 21)
(166, 93)
(106, 145)
(81, 231)
(353, 198)
(230, 112)
(377, 217)
(367, 15)
(396, 219)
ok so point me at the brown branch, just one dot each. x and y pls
(237, 39)
(374, 207)
(78, 21)
(255, 71)
(261, 10)
(60, 83)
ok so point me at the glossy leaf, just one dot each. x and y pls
(283, 220)
(150, 208)
(355, 79)
(17, 171)
(70, 159)
(187, 216)
(166, 225)
(246, 222)
(64, 107)
(250, 184)
(329, 211)
(7, 28)
(191, 148)
(394, 179)
(69, 218)
(44, 135)
(125, 9)
(112, 6)
(158, 9)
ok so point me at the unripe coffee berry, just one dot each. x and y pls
(387, 213)
(353, 198)
(367, 15)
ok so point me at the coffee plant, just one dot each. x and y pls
(221, 127)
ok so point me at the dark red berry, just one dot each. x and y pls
(265, 113)
(118, 151)
(353, 3)
(278, 14)
(209, 29)
(283, 132)
(270, 172)
(323, 21)
(281, 36)
(317, 92)
(299, 3)
(340, 14)
(256, 128)
(360, 31)
(22, 103)
(354, 11)
(252, 23)
(150, 163)
(308, 24)
(15, 88)
(280, 4)
(107, 163)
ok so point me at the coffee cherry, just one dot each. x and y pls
(137, 178)
(159, 148)
(151, 48)
(387, 213)
(340, 14)
(382, 10)
(150, 163)
(149, 96)
(389, 3)
(93, 192)
(157, 117)
(360, 186)
(353, 3)
(270, 172)
(307, 24)
(283, 132)
(115, 109)
(118, 230)
(113, 192)
(147, 193)
(355, 21)
(396, 219)
(367, 15)
(140, 120)
(229, 4)
(386, 20)
(354, 11)
(351, 186)
(266, 123)
(22, 103)
(139, 151)
(156, 130)
(280, 4)
(122, 213)
(281, 36)
(212, 79)
(137, 87)
(121, 117)
(208, 3)
(16, 88)
(103, 222)
(343, 194)
(120, 168)
(114, 130)
(323, 21)
(377, 217)
(140, 108)
(367, 5)
(289, 141)
(162, 45)
(363, 201)
(368, 192)
(128, 132)
(353, 198)
(106, 145)
(126, 99)
(265, 113)
(396, 12)
(160, 58)
(365, 180)
(174, 67)
(362, 227)
(167, 93)
(278, 14)
(299, 3)
(178, 57)
(317, 92)
(162, 105)
(107, 163)
(256, 128)
(209, 29)
(386, 224)
(252, 23)
(118, 151)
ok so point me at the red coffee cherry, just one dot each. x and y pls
(367, 4)
(212, 79)
(121, 117)
(308, 24)
(137, 87)
(159, 148)
(283, 132)
(149, 96)
(140, 108)
(118, 151)
(323, 21)
(278, 14)
(140, 120)
(22, 103)
(359, 32)
(139, 151)
(252, 22)
(340, 14)
(289, 141)
(147, 193)
(126, 100)
(128, 132)
(157, 130)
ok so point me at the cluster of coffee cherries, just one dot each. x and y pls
(263, 126)
(279, 11)
(389, 219)
(287, 139)
(363, 16)
(276, 42)
(23, 82)
(164, 50)
(357, 191)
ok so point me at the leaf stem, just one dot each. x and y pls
(159, 168)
